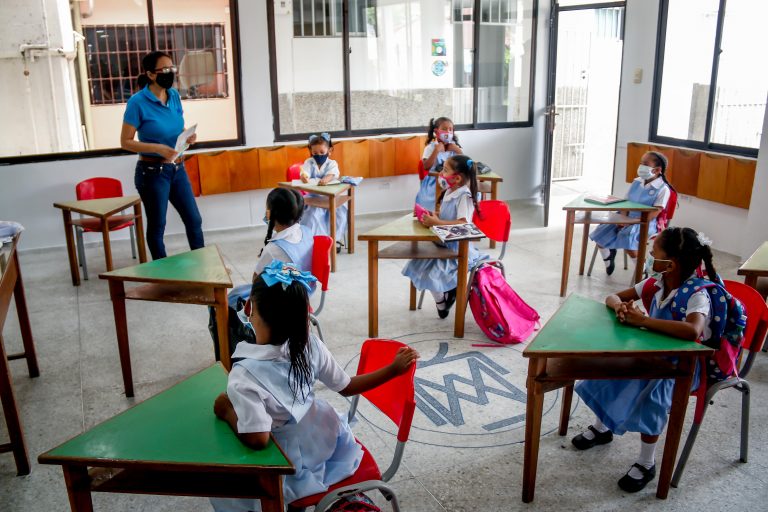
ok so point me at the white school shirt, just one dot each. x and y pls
(697, 302)
(311, 170)
(273, 252)
(661, 191)
(465, 208)
(256, 408)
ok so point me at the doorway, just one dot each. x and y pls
(583, 79)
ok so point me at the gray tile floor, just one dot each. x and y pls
(466, 448)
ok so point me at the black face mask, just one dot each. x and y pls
(165, 80)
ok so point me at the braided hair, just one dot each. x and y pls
(467, 168)
(683, 245)
(286, 312)
(662, 161)
(434, 123)
(285, 207)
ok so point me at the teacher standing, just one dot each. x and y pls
(155, 113)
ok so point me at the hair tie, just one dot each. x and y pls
(286, 273)
(469, 162)
(703, 239)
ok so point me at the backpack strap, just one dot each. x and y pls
(649, 290)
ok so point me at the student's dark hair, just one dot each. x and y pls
(286, 313)
(317, 140)
(466, 167)
(149, 63)
(661, 161)
(285, 207)
(434, 123)
(683, 245)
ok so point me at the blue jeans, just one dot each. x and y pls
(157, 184)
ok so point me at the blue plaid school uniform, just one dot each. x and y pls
(319, 219)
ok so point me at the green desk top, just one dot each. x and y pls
(201, 266)
(176, 426)
(580, 204)
(98, 207)
(404, 228)
(758, 262)
(585, 326)
(326, 190)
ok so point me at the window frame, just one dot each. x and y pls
(706, 144)
(234, 67)
(347, 132)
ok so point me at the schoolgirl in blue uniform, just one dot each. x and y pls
(650, 187)
(319, 165)
(641, 405)
(271, 389)
(458, 202)
(441, 144)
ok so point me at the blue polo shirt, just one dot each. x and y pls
(155, 122)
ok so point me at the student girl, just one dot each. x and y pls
(320, 166)
(458, 201)
(442, 144)
(641, 405)
(287, 240)
(155, 114)
(271, 389)
(650, 187)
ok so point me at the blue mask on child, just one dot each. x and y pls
(246, 322)
(320, 159)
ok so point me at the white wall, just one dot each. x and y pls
(29, 190)
(727, 226)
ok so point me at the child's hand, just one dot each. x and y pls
(222, 406)
(304, 178)
(633, 315)
(440, 147)
(405, 357)
(429, 219)
(325, 180)
(453, 147)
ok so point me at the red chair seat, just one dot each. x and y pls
(368, 470)
(94, 224)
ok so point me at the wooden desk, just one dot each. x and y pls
(491, 179)
(756, 266)
(12, 284)
(588, 208)
(103, 209)
(332, 199)
(171, 444)
(409, 231)
(583, 340)
(193, 277)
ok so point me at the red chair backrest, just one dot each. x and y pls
(757, 314)
(293, 172)
(98, 188)
(493, 219)
(665, 216)
(394, 398)
(321, 259)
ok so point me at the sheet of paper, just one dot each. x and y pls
(181, 140)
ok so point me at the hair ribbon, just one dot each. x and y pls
(286, 274)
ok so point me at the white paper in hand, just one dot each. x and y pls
(181, 140)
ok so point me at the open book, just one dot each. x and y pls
(607, 199)
(314, 182)
(457, 232)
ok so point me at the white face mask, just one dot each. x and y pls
(645, 171)
(244, 319)
(649, 263)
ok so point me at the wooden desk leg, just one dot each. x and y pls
(438, 190)
(675, 425)
(140, 233)
(222, 325)
(412, 299)
(332, 228)
(23, 314)
(565, 409)
(73, 265)
(494, 185)
(12, 419)
(373, 288)
(78, 488)
(584, 242)
(274, 487)
(117, 293)
(351, 221)
(533, 409)
(461, 290)
(107, 247)
(571, 216)
(751, 280)
(643, 247)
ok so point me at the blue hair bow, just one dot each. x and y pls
(286, 273)
(469, 162)
(324, 135)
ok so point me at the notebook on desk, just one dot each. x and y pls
(452, 232)
(605, 199)
(314, 182)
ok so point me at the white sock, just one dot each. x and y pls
(646, 459)
(597, 425)
(604, 253)
(439, 299)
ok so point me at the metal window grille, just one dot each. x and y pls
(324, 18)
(491, 11)
(114, 53)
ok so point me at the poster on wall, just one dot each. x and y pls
(438, 47)
(439, 67)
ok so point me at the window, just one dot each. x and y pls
(407, 61)
(72, 97)
(709, 91)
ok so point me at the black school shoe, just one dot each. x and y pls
(582, 443)
(611, 262)
(629, 484)
(339, 245)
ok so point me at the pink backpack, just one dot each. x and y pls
(500, 312)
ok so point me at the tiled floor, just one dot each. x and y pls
(465, 453)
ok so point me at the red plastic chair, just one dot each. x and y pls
(396, 400)
(321, 269)
(754, 336)
(294, 173)
(100, 188)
